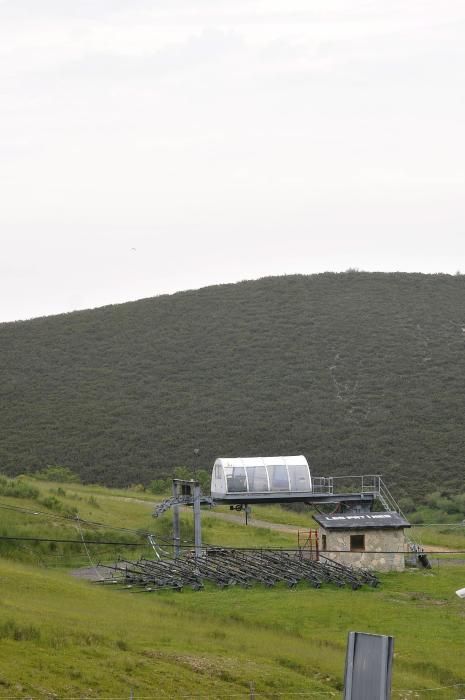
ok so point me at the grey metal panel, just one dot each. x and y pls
(361, 521)
(295, 497)
(368, 668)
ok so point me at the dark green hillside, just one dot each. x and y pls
(360, 372)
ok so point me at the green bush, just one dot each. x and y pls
(163, 486)
(447, 503)
(160, 486)
(19, 633)
(53, 503)
(57, 473)
(407, 504)
(17, 488)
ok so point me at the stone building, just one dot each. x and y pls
(370, 540)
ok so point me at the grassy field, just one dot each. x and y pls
(71, 638)
(448, 536)
(64, 637)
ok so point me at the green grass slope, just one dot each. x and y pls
(71, 638)
(43, 523)
(65, 637)
(361, 372)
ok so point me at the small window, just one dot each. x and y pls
(323, 542)
(236, 479)
(357, 543)
(257, 479)
(279, 480)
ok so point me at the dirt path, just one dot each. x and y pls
(128, 499)
(437, 548)
(91, 573)
(252, 522)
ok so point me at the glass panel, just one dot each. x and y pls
(217, 479)
(235, 479)
(257, 479)
(278, 477)
(299, 478)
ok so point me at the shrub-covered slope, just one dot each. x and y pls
(361, 372)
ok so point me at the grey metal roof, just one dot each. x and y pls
(353, 521)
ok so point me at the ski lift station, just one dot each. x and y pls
(247, 480)
(350, 530)
(375, 539)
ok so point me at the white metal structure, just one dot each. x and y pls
(260, 475)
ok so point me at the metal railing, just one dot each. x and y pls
(360, 483)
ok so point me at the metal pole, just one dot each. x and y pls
(197, 521)
(196, 457)
(176, 523)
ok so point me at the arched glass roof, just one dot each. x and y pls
(261, 475)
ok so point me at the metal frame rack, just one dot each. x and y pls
(234, 567)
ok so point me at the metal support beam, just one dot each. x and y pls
(197, 521)
(176, 522)
(363, 499)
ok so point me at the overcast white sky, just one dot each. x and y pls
(224, 140)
